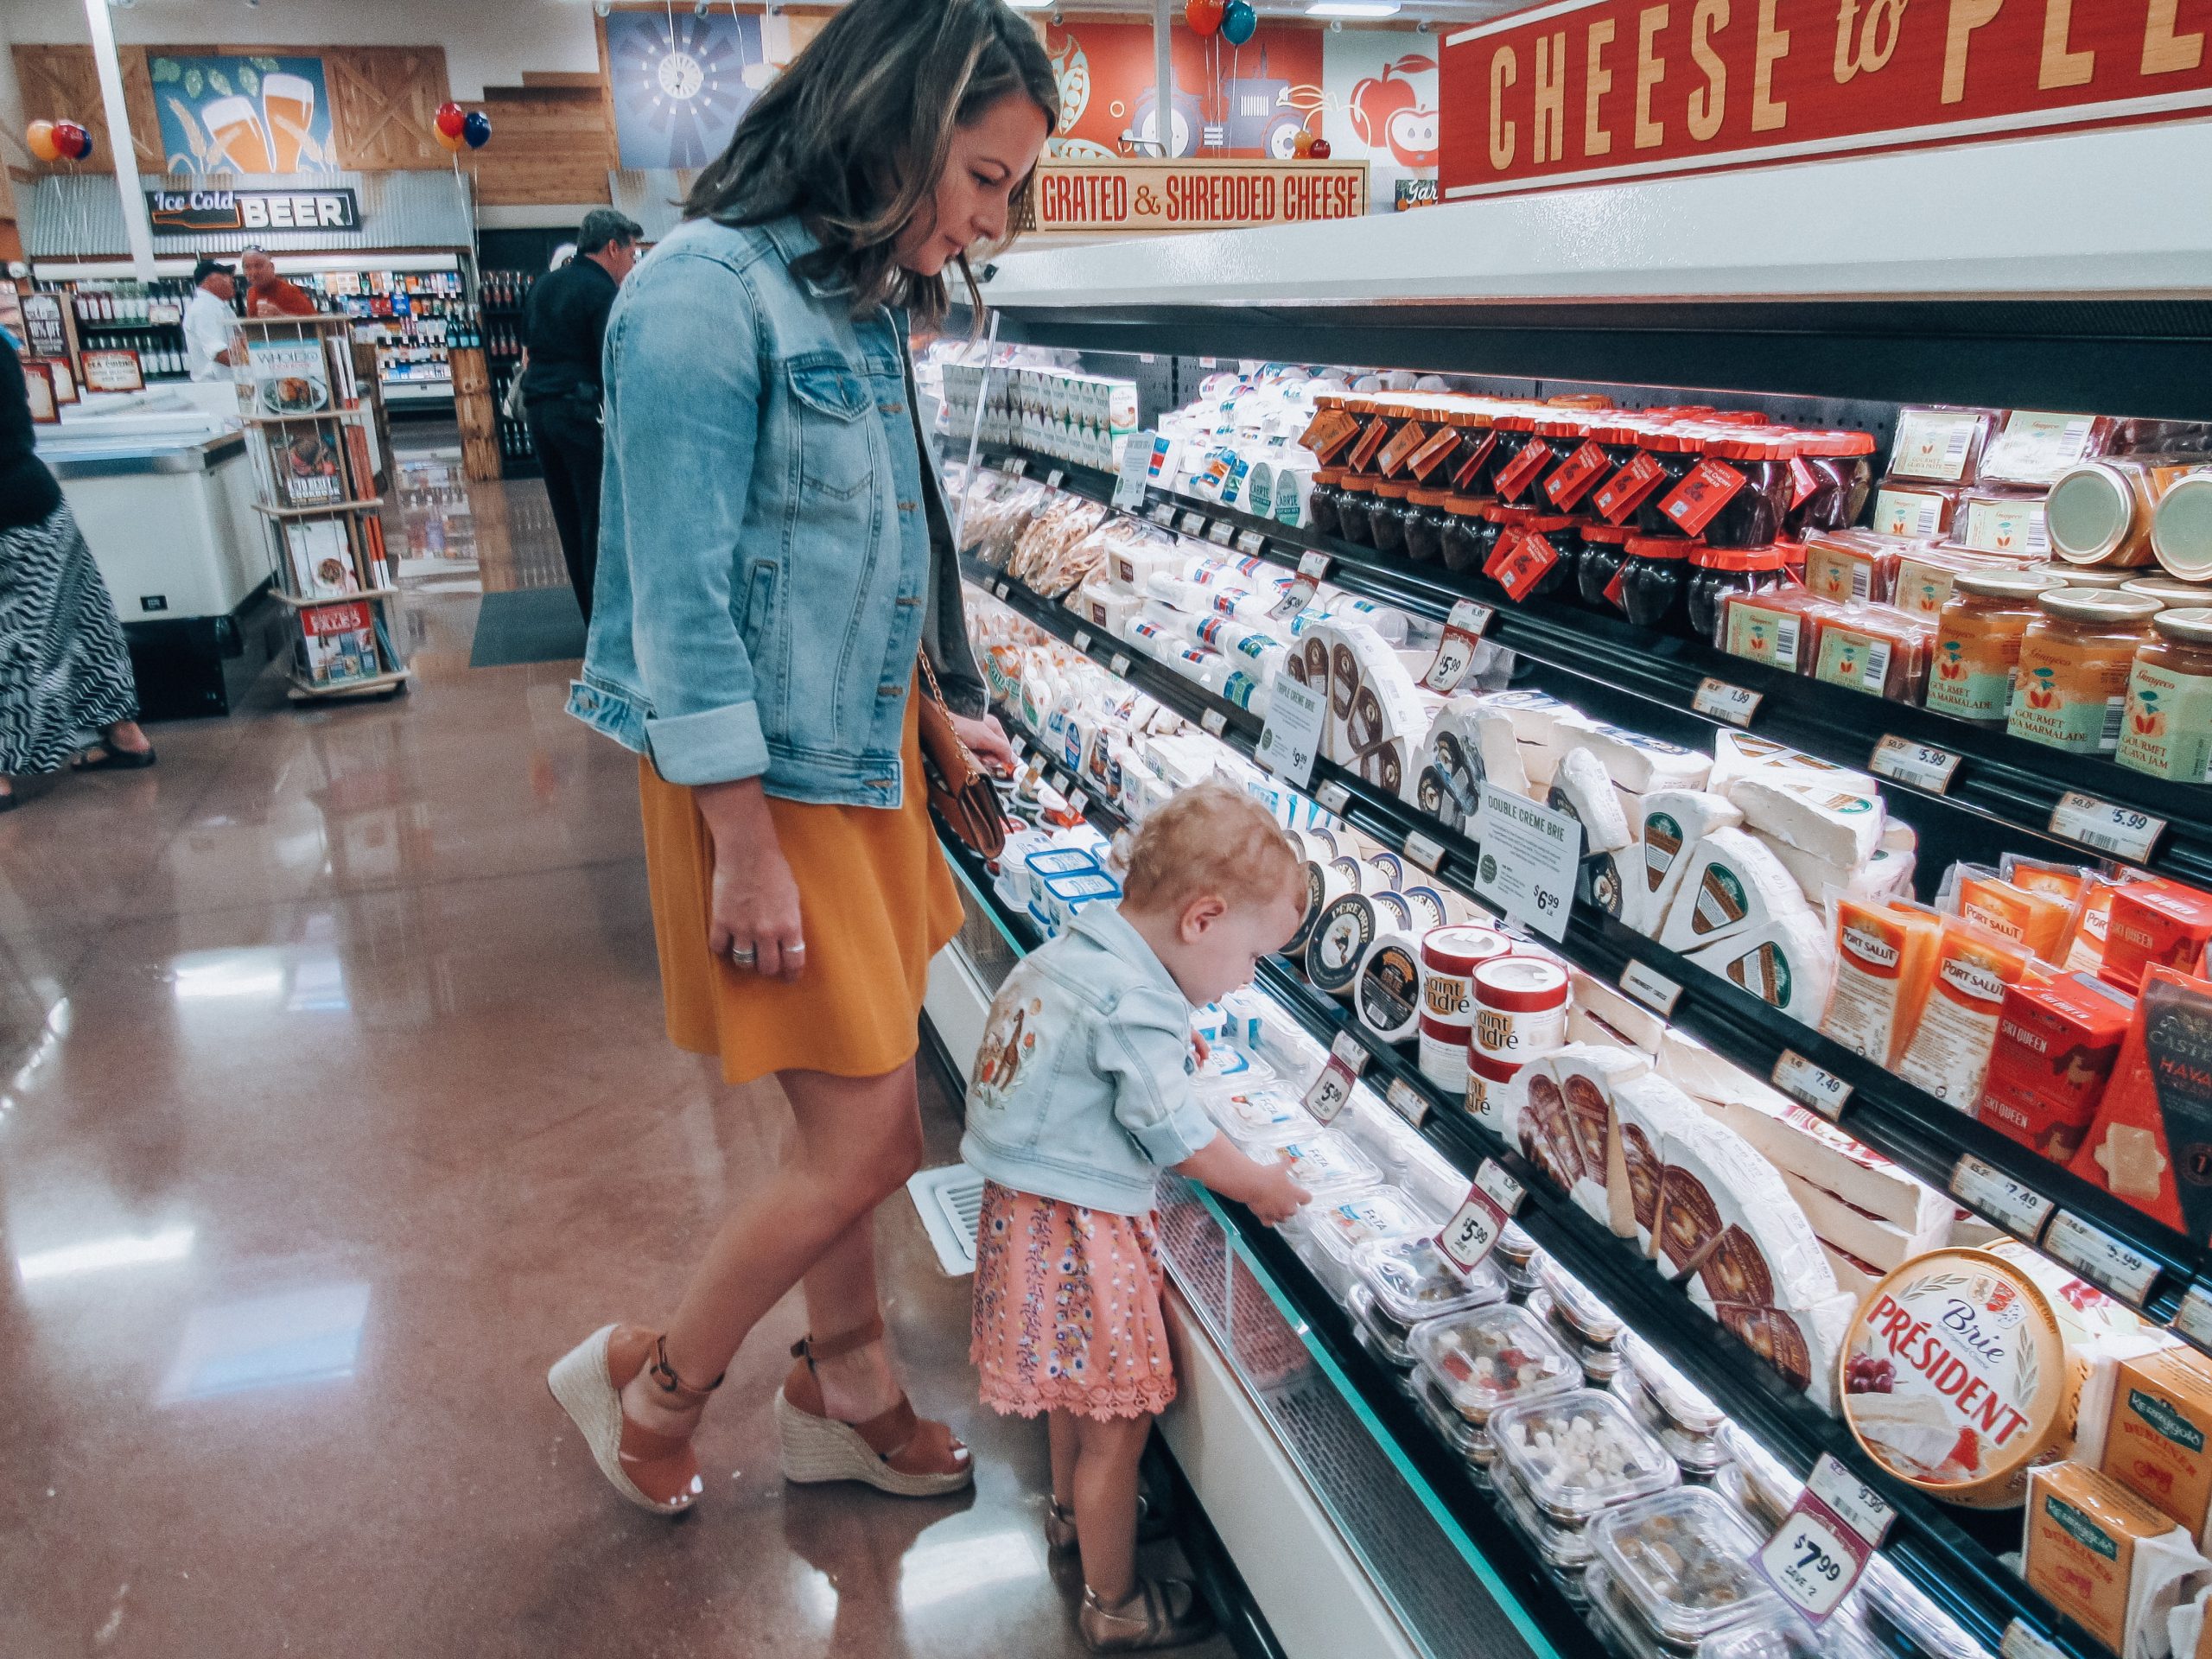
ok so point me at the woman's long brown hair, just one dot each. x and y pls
(853, 135)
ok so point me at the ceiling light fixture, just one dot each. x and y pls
(1352, 9)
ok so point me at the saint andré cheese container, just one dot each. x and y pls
(1954, 1377)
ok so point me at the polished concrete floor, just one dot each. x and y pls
(334, 1105)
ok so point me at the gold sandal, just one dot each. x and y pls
(655, 1472)
(1162, 1613)
(895, 1452)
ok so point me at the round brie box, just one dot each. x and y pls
(1954, 1377)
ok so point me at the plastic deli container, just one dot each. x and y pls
(1490, 1357)
(1266, 1117)
(1383, 1339)
(1564, 1548)
(1470, 1441)
(1600, 1363)
(1341, 1228)
(1327, 1164)
(1755, 1480)
(1683, 1561)
(1584, 1315)
(1410, 1280)
(1576, 1454)
(1678, 1400)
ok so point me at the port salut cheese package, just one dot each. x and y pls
(2100, 1555)
(2156, 1111)
(1673, 822)
(1788, 963)
(1731, 885)
(2042, 921)
(2058, 1043)
(1949, 1052)
(1885, 962)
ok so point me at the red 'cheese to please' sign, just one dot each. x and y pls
(1591, 90)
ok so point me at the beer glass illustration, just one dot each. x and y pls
(234, 133)
(288, 103)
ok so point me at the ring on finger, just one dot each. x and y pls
(743, 954)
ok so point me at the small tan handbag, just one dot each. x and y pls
(960, 791)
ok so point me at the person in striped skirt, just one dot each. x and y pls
(67, 695)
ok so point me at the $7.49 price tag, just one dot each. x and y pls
(1478, 1224)
(1826, 1540)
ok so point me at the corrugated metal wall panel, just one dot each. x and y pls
(78, 216)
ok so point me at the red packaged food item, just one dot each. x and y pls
(2057, 1045)
(2155, 925)
(2157, 1115)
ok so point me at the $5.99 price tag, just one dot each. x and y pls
(1330, 1092)
(1475, 1228)
(1826, 1540)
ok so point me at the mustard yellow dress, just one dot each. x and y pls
(876, 902)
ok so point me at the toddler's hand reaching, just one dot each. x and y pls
(1275, 1198)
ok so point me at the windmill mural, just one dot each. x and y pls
(680, 83)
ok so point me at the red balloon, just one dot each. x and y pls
(1205, 16)
(71, 140)
(1320, 150)
(451, 118)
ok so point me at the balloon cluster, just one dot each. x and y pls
(1234, 20)
(455, 128)
(59, 141)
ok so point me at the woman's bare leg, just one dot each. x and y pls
(1060, 1426)
(858, 1139)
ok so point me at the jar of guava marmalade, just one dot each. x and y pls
(2168, 729)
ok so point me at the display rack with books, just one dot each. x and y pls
(317, 461)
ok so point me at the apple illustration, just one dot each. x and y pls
(1318, 150)
(1386, 113)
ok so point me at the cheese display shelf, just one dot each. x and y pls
(1928, 1546)
(1936, 1141)
(1996, 783)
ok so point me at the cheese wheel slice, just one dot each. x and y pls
(1732, 886)
(1673, 822)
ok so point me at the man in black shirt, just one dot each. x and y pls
(563, 329)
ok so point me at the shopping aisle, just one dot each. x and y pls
(336, 1106)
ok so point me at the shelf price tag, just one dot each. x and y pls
(1291, 737)
(1921, 765)
(1312, 567)
(1530, 855)
(1826, 1540)
(1820, 1089)
(1718, 700)
(1015, 466)
(1221, 532)
(1052, 479)
(2101, 1258)
(1162, 513)
(2018, 1641)
(2193, 1318)
(1424, 850)
(1455, 652)
(1192, 524)
(1250, 542)
(1136, 470)
(1330, 1092)
(2017, 1209)
(1652, 989)
(1214, 721)
(1407, 1102)
(1332, 798)
(1120, 664)
(1082, 639)
(2120, 831)
(1475, 1228)
(999, 589)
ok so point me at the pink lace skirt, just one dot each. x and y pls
(1067, 1309)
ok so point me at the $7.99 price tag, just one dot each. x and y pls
(1478, 1224)
(1826, 1540)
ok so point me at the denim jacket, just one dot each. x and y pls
(773, 546)
(1083, 1089)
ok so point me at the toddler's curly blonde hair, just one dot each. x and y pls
(1210, 839)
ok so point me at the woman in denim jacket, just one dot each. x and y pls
(773, 554)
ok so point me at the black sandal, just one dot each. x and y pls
(114, 759)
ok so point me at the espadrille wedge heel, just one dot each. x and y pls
(654, 1471)
(895, 1452)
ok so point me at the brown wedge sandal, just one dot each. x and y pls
(1162, 1613)
(655, 1472)
(895, 1452)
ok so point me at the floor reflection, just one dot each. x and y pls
(267, 1341)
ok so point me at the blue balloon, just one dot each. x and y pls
(1238, 21)
(477, 129)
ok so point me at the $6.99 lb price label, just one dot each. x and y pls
(1826, 1540)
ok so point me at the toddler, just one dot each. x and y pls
(1082, 1094)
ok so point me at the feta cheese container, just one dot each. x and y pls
(1576, 1454)
(1491, 1356)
